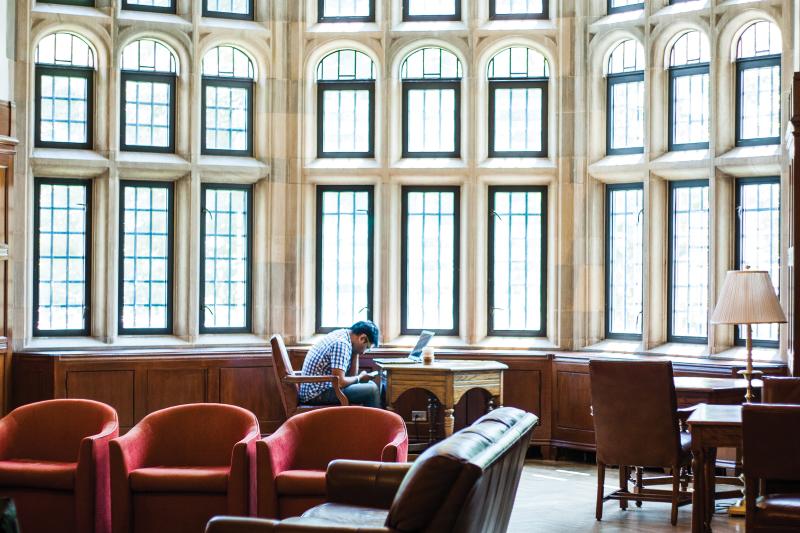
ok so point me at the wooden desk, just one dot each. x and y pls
(712, 426)
(446, 379)
(727, 391)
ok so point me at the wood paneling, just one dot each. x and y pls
(175, 386)
(253, 388)
(572, 419)
(114, 387)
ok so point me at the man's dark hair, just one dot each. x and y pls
(368, 328)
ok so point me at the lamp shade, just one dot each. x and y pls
(748, 297)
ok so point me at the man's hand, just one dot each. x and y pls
(363, 376)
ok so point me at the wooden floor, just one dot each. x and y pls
(560, 496)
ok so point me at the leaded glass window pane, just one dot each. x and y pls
(760, 106)
(690, 108)
(154, 5)
(147, 55)
(146, 258)
(624, 5)
(431, 120)
(689, 251)
(60, 274)
(432, 8)
(758, 213)
(64, 113)
(518, 7)
(431, 64)
(65, 50)
(147, 113)
(344, 246)
(624, 261)
(626, 114)
(346, 9)
(227, 62)
(227, 111)
(517, 271)
(226, 258)
(431, 254)
(233, 7)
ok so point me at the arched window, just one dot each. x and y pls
(64, 92)
(147, 97)
(758, 85)
(625, 99)
(688, 92)
(159, 6)
(227, 127)
(229, 9)
(618, 6)
(518, 103)
(431, 104)
(346, 105)
(518, 9)
(422, 10)
(346, 11)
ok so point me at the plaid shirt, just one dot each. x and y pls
(333, 351)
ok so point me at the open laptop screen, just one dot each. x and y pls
(422, 342)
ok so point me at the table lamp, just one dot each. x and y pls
(748, 297)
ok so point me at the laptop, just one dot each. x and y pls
(414, 356)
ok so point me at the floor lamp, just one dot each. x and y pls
(748, 297)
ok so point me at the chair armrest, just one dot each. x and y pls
(92, 479)
(242, 476)
(333, 380)
(683, 415)
(7, 431)
(397, 450)
(365, 483)
(235, 524)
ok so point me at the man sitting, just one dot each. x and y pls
(333, 355)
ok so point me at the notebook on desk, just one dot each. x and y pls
(415, 356)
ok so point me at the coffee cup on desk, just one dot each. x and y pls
(427, 355)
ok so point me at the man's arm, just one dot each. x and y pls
(345, 381)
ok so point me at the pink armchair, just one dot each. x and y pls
(54, 464)
(293, 460)
(182, 465)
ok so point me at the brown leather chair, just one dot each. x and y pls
(771, 457)
(781, 390)
(636, 424)
(465, 483)
(289, 380)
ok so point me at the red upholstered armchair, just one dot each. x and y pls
(54, 464)
(182, 465)
(293, 460)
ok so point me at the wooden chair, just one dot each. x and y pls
(289, 381)
(781, 390)
(636, 424)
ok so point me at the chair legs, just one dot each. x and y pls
(623, 486)
(639, 484)
(676, 485)
(601, 477)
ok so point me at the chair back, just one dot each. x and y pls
(282, 366)
(466, 483)
(196, 434)
(770, 436)
(635, 413)
(52, 430)
(781, 390)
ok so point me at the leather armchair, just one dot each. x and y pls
(465, 483)
(54, 464)
(292, 461)
(182, 465)
(771, 458)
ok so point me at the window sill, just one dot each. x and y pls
(233, 24)
(68, 163)
(680, 349)
(619, 167)
(517, 343)
(519, 163)
(538, 25)
(726, 4)
(344, 27)
(616, 345)
(227, 168)
(144, 341)
(64, 9)
(692, 6)
(430, 162)
(615, 19)
(135, 17)
(334, 163)
(430, 26)
(151, 165)
(764, 355)
(683, 164)
(749, 161)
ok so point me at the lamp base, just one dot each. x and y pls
(750, 376)
(738, 508)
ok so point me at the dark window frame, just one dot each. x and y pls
(248, 189)
(456, 190)
(86, 3)
(674, 74)
(611, 81)
(238, 83)
(228, 15)
(152, 9)
(738, 339)
(322, 18)
(69, 72)
(491, 331)
(743, 65)
(153, 77)
(407, 17)
(670, 253)
(544, 15)
(611, 188)
(321, 189)
(516, 83)
(622, 9)
(353, 85)
(439, 84)
(170, 187)
(87, 321)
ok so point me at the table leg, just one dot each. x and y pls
(449, 421)
(711, 481)
(698, 496)
(433, 417)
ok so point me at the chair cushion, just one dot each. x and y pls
(180, 479)
(342, 515)
(37, 474)
(301, 483)
(779, 509)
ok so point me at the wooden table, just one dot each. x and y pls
(712, 426)
(447, 379)
(728, 391)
